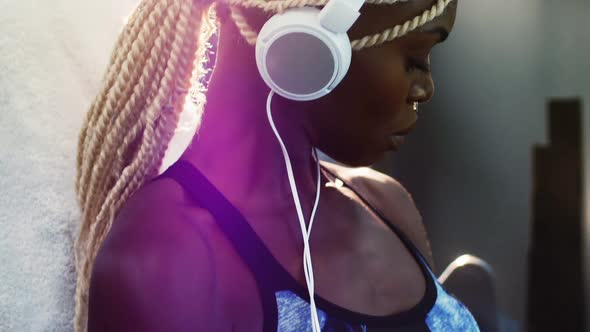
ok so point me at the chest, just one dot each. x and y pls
(362, 265)
(359, 264)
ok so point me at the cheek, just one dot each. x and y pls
(385, 78)
(350, 122)
(374, 75)
(380, 83)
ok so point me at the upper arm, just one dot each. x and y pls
(153, 273)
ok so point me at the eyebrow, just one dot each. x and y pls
(442, 32)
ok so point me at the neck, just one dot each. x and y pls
(236, 149)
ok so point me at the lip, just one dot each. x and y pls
(398, 138)
(405, 131)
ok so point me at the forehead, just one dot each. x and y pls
(377, 18)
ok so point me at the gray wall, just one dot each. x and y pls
(565, 71)
(469, 161)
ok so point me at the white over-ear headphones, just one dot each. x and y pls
(303, 53)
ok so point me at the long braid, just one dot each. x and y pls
(91, 206)
(132, 134)
(157, 60)
(127, 72)
(131, 114)
(144, 165)
(133, 97)
(118, 55)
(165, 122)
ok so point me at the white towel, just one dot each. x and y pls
(52, 58)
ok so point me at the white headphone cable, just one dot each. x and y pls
(307, 265)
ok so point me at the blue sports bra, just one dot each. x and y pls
(286, 302)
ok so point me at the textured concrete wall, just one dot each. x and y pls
(52, 57)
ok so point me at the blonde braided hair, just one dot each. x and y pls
(155, 72)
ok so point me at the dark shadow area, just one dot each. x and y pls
(555, 288)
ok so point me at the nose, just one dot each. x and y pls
(421, 90)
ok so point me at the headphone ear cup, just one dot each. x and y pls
(298, 58)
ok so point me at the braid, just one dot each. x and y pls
(131, 66)
(133, 96)
(121, 50)
(400, 30)
(150, 65)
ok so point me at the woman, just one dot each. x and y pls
(214, 243)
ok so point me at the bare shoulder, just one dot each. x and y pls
(391, 198)
(154, 271)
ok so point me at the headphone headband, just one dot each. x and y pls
(339, 15)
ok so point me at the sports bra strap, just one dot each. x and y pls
(231, 221)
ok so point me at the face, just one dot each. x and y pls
(355, 123)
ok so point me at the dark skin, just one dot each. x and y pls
(165, 264)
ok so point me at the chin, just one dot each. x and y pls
(351, 159)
